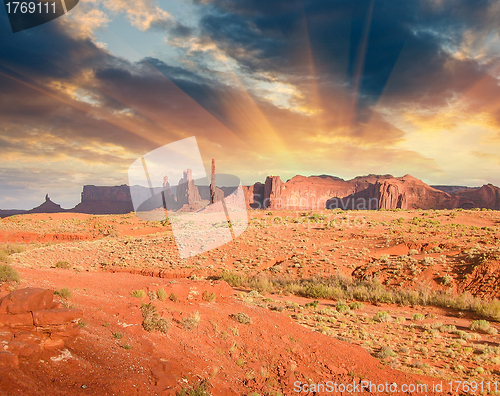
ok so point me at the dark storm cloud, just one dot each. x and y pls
(33, 109)
(147, 90)
(178, 29)
(350, 40)
(45, 51)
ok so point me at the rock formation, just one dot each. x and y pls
(187, 192)
(487, 196)
(47, 207)
(365, 192)
(167, 195)
(30, 321)
(408, 192)
(254, 195)
(105, 200)
(212, 183)
(299, 193)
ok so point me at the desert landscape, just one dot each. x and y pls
(386, 296)
(249, 198)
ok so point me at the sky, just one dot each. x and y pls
(282, 87)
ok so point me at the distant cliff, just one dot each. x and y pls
(365, 192)
(105, 200)
(369, 192)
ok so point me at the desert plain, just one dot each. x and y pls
(386, 297)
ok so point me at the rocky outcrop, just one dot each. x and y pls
(365, 192)
(452, 189)
(487, 196)
(187, 192)
(105, 200)
(254, 195)
(299, 193)
(47, 207)
(273, 197)
(408, 192)
(30, 321)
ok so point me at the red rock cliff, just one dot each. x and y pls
(365, 192)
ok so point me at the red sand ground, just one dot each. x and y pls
(108, 254)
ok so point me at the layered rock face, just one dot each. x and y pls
(105, 200)
(408, 192)
(187, 192)
(312, 193)
(365, 192)
(30, 321)
(370, 192)
(487, 196)
(254, 195)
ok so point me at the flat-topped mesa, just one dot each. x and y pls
(364, 192)
(487, 196)
(408, 192)
(105, 200)
(299, 193)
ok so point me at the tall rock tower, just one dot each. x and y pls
(212, 183)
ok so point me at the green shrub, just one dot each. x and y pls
(316, 291)
(489, 309)
(418, 317)
(356, 305)
(64, 293)
(173, 297)
(4, 257)
(383, 317)
(192, 321)
(63, 264)
(492, 331)
(242, 318)
(436, 325)
(151, 320)
(209, 297)
(448, 329)
(385, 352)
(161, 294)
(428, 261)
(341, 286)
(139, 293)
(313, 304)
(234, 279)
(118, 335)
(7, 250)
(343, 309)
(8, 273)
(200, 389)
(482, 325)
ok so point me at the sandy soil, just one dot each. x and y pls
(110, 257)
